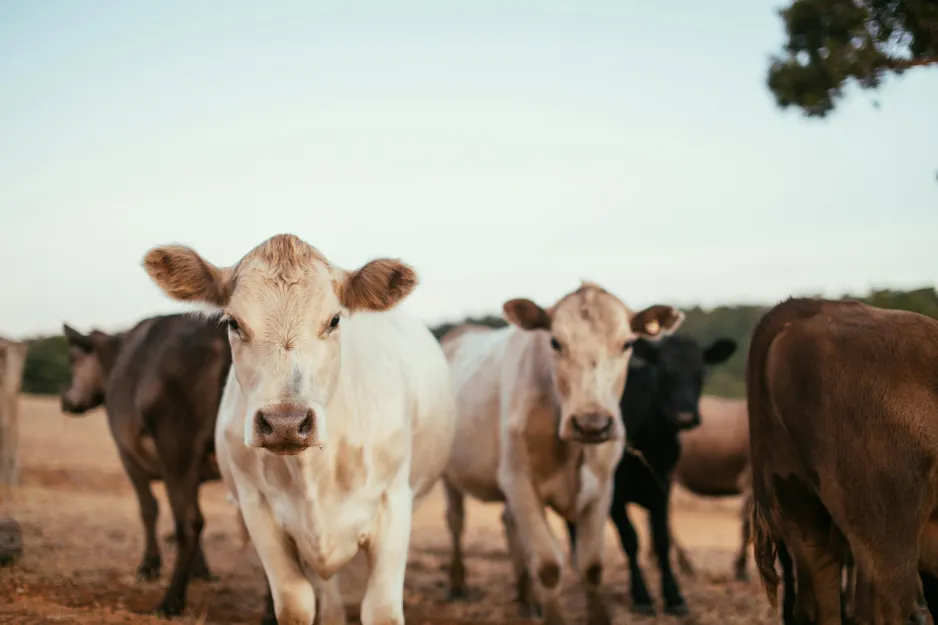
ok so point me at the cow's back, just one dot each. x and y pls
(170, 367)
(714, 454)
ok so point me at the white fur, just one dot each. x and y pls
(393, 394)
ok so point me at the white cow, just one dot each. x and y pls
(329, 392)
(540, 425)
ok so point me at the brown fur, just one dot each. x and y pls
(161, 385)
(844, 445)
(187, 277)
(378, 285)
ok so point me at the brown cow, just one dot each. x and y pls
(715, 463)
(161, 384)
(843, 416)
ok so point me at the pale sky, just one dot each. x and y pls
(504, 149)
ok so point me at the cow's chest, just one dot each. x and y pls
(578, 478)
(327, 524)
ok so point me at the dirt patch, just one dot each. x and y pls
(83, 540)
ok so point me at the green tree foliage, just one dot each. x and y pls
(831, 42)
(47, 370)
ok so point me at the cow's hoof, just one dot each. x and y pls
(149, 570)
(677, 609)
(530, 610)
(458, 593)
(169, 608)
(204, 574)
(643, 608)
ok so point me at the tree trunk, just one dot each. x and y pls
(12, 359)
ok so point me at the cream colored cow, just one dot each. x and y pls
(540, 425)
(337, 416)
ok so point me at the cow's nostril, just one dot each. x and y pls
(307, 423)
(262, 425)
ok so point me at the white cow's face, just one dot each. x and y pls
(283, 304)
(591, 333)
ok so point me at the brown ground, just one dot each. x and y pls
(83, 540)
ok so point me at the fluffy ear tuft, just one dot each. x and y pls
(187, 277)
(379, 285)
(526, 314)
(657, 321)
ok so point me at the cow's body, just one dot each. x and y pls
(161, 384)
(843, 412)
(528, 446)
(337, 415)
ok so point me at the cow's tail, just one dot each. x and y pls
(765, 552)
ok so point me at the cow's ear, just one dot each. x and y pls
(646, 350)
(76, 338)
(657, 321)
(526, 314)
(185, 276)
(379, 285)
(719, 351)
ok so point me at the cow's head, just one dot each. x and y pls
(677, 367)
(590, 334)
(87, 354)
(284, 306)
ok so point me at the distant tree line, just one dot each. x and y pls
(47, 370)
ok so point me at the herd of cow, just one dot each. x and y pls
(329, 414)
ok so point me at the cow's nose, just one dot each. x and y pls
(593, 426)
(686, 419)
(284, 429)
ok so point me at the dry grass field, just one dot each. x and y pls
(83, 540)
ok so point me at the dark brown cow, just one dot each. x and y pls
(160, 383)
(843, 414)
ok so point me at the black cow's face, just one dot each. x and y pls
(680, 367)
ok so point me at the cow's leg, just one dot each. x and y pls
(149, 511)
(383, 602)
(200, 568)
(270, 616)
(641, 600)
(818, 568)
(739, 566)
(455, 520)
(532, 529)
(589, 555)
(571, 536)
(526, 594)
(182, 486)
(788, 584)
(673, 601)
(292, 600)
(330, 607)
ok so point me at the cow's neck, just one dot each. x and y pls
(639, 409)
(108, 352)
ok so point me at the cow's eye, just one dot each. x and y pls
(335, 322)
(555, 345)
(231, 324)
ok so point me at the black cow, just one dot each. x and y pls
(661, 398)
